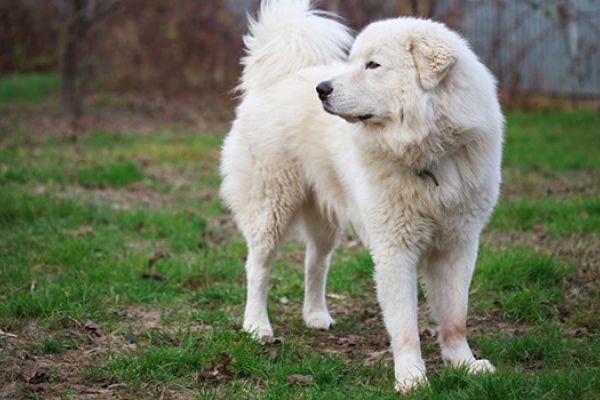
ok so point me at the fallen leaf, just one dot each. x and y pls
(512, 332)
(39, 377)
(537, 365)
(81, 231)
(374, 357)
(576, 332)
(35, 377)
(270, 340)
(217, 371)
(116, 386)
(272, 353)
(300, 379)
(540, 231)
(224, 371)
(197, 326)
(354, 339)
(349, 340)
(91, 327)
(156, 257)
(154, 275)
(131, 346)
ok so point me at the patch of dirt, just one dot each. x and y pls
(177, 178)
(27, 372)
(118, 199)
(124, 113)
(219, 230)
(142, 319)
(566, 185)
(218, 371)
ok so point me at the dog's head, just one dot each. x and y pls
(392, 67)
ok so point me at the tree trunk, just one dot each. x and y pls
(431, 10)
(414, 4)
(70, 89)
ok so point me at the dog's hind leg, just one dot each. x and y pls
(272, 205)
(448, 277)
(256, 319)
(321, 237)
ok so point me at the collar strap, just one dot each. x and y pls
(427, 173)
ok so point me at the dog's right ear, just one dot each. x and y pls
(433, 59)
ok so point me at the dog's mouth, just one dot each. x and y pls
(347, 117)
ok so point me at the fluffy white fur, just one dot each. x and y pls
(407, 149)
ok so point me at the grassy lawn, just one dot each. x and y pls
(28, 88)
(122, 276)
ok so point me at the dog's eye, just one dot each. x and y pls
(372, 65)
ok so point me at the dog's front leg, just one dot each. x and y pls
(396, 280)
(448, 275)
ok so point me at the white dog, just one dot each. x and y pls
(402, 139)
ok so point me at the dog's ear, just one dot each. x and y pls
(433, 60)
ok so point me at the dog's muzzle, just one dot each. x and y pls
(324, 89)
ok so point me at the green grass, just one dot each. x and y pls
(551, 143)
(28, 89)
(80, 224)
(521, 285)
(116, 174)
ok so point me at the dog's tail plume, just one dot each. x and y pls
(290, 35)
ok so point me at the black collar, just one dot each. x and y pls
(427, 173)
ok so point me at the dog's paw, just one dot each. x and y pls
(258, 332)
(319, 320)
(410, 378)
(480, 366)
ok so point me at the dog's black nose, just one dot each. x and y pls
(324, 89)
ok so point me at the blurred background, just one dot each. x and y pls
(175, 61)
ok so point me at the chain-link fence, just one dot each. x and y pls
(543, 46)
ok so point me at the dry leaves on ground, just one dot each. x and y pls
(292, 379)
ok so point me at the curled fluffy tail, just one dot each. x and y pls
(288, 36)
